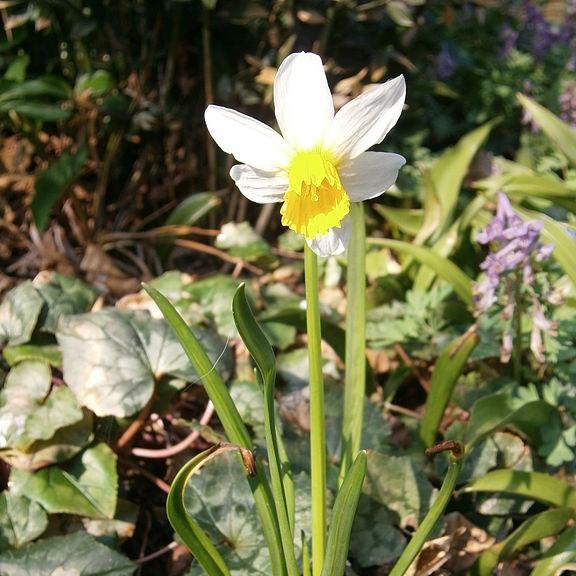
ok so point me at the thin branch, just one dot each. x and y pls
(182, 445)
(168, 548)
(198, 246)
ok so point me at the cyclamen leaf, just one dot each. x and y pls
(87, 485)
(19, 313)
(63, 296)
(77, 554)
(30, 410)
(21, 520)
(112, 359)
(64, 445)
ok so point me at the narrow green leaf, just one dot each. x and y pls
(533, 485)
(558, 132)
(41, 111)
(215, 387)
(190, 533)
(448, 241)
(433, 209)
(407, 220)
(558, 234)
(232, 423)
(47, 86)
(449, 171)
(436, 510)
(192, 209)
(447, 370)
(280, 471)
(533, 530)
(52, 183)
(343, 518)
(538, 185)
(446, 269)
(561, 553)
(252, 335)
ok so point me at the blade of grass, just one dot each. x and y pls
(343, 518)
(355, 362)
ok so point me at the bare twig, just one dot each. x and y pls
(182, 445)
(407, 361)
(134, 428)
(198, 246)
(168, 548)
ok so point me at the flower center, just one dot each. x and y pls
(315, 200)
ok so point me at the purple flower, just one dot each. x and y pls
(567, 103)
(445, 63)
(508, 38)
(515, 247)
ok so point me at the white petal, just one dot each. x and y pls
(370, 174)
(302, 100)
(259, 186)
(332, 243)
(366, 120)
(247, 139)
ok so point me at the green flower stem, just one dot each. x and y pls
(317, 422)
(355, 359)
(434, 514)
(517, 327)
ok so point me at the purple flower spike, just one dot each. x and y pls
(515, 248)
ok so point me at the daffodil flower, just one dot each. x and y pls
(319, 164)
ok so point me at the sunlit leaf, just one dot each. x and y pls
(19, 313)
(560, 554)
(112, 358)
(496, 411)
(87, 485)
(31, 409)
(533, 485)
(446, 269)
(560, 134)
